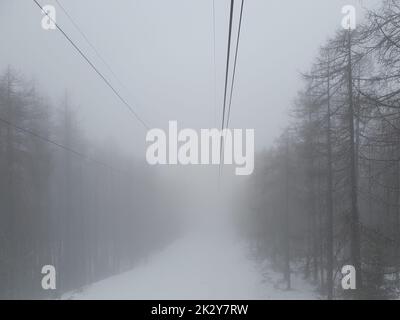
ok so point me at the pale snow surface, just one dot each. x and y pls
(198, 266)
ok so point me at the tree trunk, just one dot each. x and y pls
(354, 225)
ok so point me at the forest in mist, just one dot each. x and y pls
(89, 218)
(77, 193)
(328, 193)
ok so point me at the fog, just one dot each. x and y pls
(163, 53)
(161, 59)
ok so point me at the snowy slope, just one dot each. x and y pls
(199, 266)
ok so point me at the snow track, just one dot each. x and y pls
(199, 266)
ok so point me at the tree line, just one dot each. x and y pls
(328, 193)
(58, 206)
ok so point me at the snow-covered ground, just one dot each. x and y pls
(198, 266)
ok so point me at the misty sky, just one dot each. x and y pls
(163, 52)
